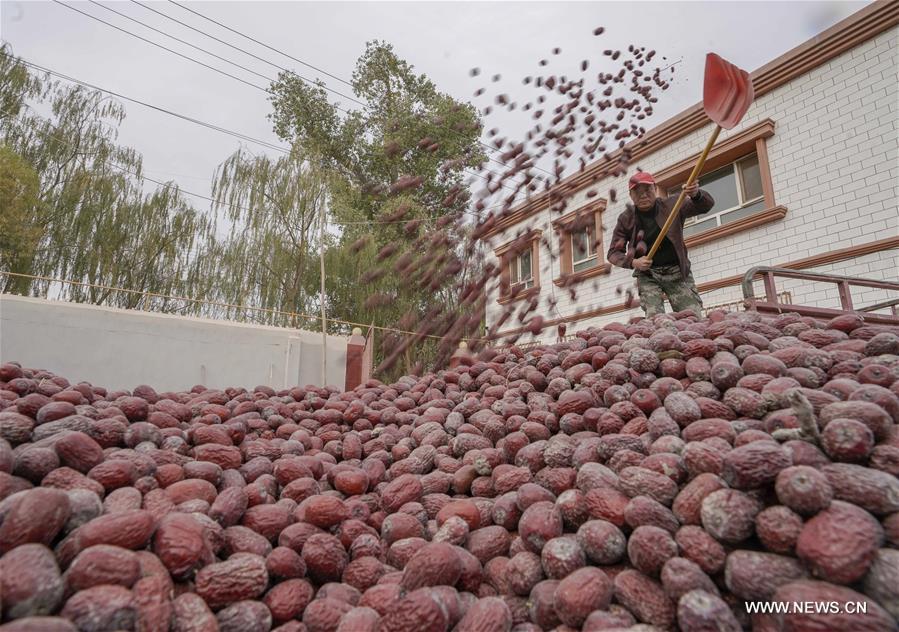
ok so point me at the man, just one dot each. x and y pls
(668, 272)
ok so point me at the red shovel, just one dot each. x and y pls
(726, 95)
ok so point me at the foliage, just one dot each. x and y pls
(92, 221)
(397, 163)
(19, 201)
(405, 127)
(387, 179)
(270, 258)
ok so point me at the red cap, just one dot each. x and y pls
(641, 177)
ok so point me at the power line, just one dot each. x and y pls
(186, 43)
(225, 73)
(213, 200)
(280, 52)
(266, 90)
(221, 41)
(203, 50)
(322, 85)
(300, 61)
(189, 119)
(246, 52)
(196, 61)
(184, 117)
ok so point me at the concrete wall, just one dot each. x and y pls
(120, 349)
(834, 161)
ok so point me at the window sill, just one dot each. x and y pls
(518, 296)
(576, 277)
(759, 219)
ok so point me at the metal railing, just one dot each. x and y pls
(785, 298)
(844, 285)
(892, 304)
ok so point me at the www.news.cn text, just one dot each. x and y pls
(806, 607)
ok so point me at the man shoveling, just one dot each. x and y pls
(668, 272)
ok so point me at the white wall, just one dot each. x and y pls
(834, 161)
(120, 349)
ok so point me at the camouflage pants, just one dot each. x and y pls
(657, 283)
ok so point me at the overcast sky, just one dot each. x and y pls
(441, 39)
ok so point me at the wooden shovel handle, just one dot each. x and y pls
(680, 199)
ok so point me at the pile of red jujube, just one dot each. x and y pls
(663, 474)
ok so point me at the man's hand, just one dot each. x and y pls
(642, 264)
(692, 189)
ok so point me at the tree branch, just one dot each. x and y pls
(805, 414)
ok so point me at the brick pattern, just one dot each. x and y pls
(834, 162)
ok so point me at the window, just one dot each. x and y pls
(583, 250)
(738, 176)
(521, 272)
(580, 244)
(737, 190)
(519, 263)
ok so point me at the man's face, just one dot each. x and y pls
(643, 196)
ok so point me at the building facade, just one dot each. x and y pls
(807, 180)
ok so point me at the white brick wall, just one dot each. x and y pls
(834, 161)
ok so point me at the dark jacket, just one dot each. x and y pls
(624, 237)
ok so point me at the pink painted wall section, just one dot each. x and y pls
(358, 360)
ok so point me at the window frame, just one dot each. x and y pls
(509, 254)
(714, 218)
(589, 257)
(589, 216)
(515, 270)
(739, 146)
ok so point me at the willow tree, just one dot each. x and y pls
(19, 200)
(275, 206)
(93, 221)
(396, 189)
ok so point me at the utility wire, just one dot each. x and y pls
(266, 90)
(228, 28)
(221, 41)
(252, 39)
(184, 117)
(299, 61)
(203, 50)
(246, 52)
(196, 61)
(213, 200)
(179, 40)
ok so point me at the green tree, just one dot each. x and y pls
(17, 85)
(396, 162)
(95, 223)
(19, 199)
(406, 127)
(387, 178)
(269, 259)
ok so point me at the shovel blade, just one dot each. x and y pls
(727, 91)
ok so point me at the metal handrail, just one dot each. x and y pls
(785, 298)
(843, 283)
(873, 308)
